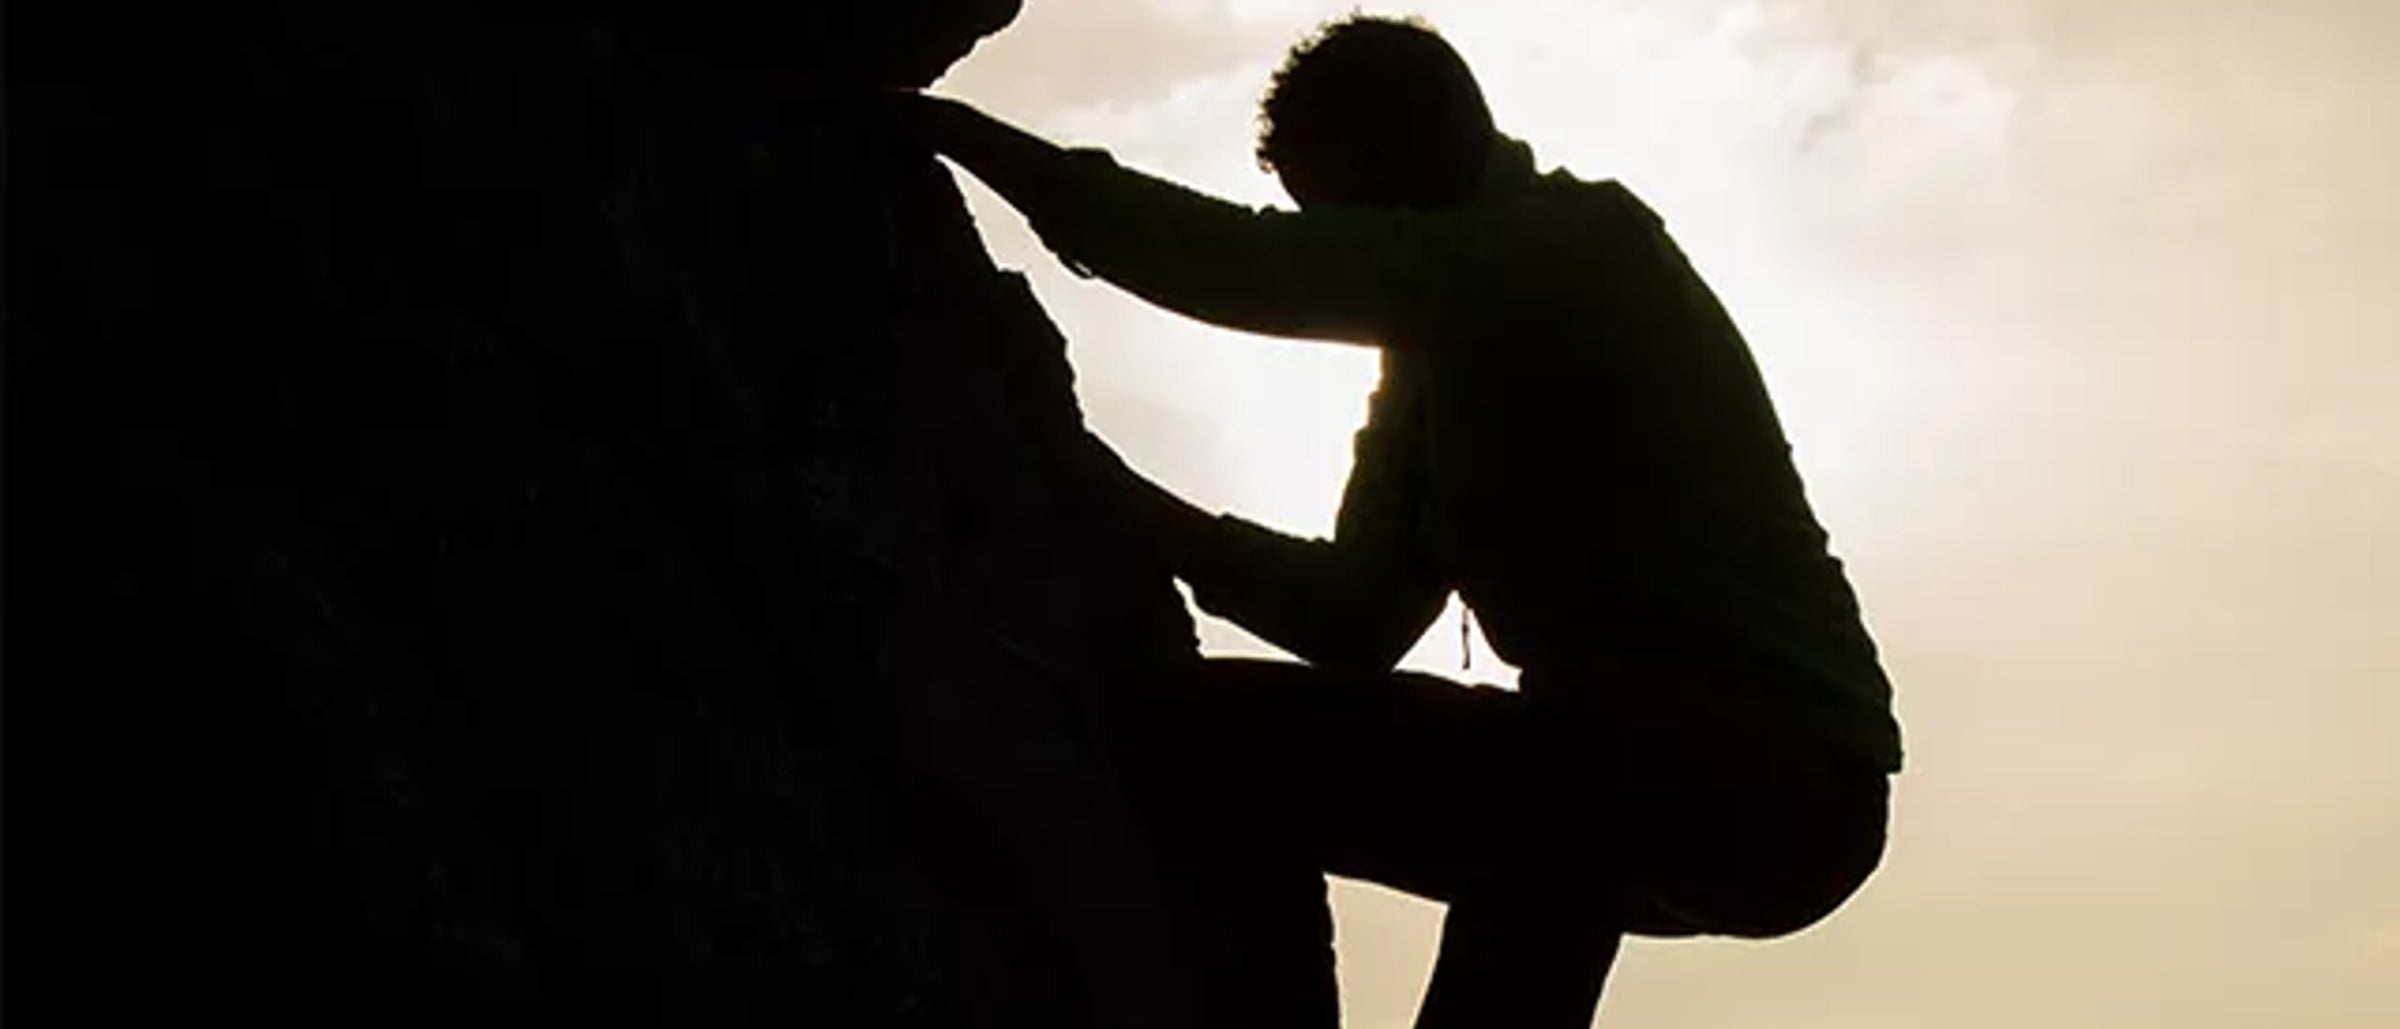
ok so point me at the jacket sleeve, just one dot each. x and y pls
(1364, 275)
(1357, 601)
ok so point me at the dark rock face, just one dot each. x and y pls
(498, 495)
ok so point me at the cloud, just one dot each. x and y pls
(1067, 54)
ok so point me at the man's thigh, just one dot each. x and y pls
(1447, 791)
(1408, 780)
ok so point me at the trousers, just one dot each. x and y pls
(1552, 821)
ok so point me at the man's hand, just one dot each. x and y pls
(1166, 525)
(931, 120)
(1029, 172)
(897, 118)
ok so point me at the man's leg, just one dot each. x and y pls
(1410, 781)
(1540, 963)
(1546, 824)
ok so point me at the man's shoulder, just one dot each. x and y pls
(1575, 228)
(1607, 196)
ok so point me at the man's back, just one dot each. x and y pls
(1605, 472)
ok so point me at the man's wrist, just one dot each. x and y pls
(944, 120)
(1181, 531)
(1026, 170)
(962, 132)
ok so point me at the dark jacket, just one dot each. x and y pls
(1570, 432)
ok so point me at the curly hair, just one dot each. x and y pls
(1377, 85)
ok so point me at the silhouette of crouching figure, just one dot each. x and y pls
(1571, 434)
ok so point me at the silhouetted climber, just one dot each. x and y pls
(1571, 433)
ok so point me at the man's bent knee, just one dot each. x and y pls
(1775, 878)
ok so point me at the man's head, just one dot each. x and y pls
(1375, 111)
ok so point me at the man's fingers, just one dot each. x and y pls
(898, 116)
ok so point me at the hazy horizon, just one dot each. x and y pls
(2084, 321)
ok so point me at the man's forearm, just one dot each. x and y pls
(1307, 596)
(1026, 170)
(1337, 275)
(1326, 605)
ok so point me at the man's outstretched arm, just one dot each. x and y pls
(1353, 274)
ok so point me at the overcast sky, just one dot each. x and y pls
(2084, 318)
